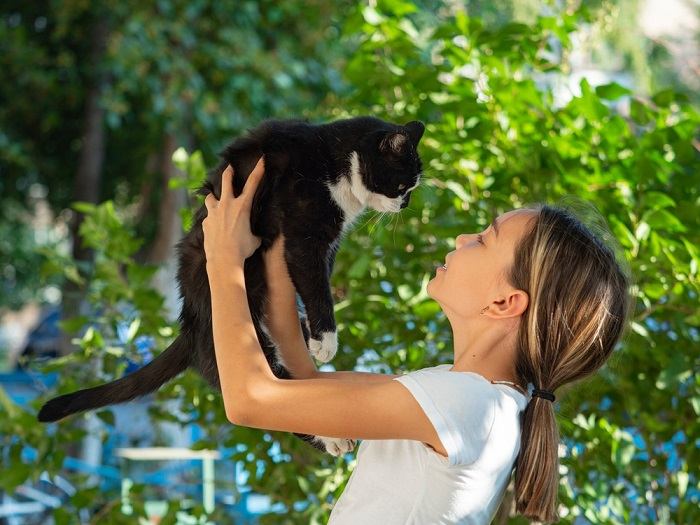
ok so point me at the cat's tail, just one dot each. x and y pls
(146, 379)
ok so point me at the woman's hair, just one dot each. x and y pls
(579, 303)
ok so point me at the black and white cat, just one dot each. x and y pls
(318, 180)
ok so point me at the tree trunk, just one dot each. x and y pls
(162, 251)
(169, 226)
(89, 176)
(89, 172)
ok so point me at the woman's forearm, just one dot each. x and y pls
(293, 350)
(282, 322)
(281, 316)
(239, 358)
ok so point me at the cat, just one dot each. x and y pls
(318, 179)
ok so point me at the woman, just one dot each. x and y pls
(535, 298)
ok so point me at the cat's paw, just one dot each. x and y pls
(337, 446)
(325, 348)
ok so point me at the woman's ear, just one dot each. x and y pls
(512, 305)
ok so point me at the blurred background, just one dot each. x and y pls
(111, 113)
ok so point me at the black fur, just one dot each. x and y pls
(302, 161)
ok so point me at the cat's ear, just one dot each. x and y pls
(415, 130)
(393, 144)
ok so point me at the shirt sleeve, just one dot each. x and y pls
(460, 406)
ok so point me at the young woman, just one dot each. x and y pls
(535, 298)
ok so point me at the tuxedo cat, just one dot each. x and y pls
(318, 180)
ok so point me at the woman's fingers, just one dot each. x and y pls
(253, 180)
(227, 184)
(210, 201)
(250, 186)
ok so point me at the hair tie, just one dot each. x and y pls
(545, 394)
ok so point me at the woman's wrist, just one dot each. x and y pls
(225, 271)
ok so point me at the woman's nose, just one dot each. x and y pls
(462, 238)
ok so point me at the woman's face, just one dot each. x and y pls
(475, 274)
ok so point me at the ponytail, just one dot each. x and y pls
(579, 304)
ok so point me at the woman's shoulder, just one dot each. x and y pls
(500, 396)
(453, 391)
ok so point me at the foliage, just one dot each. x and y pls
(193, 175)
(495, 140)
(20, 241)
(195, 70)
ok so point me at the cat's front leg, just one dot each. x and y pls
(307, 262)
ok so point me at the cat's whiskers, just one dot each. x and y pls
(368, 220)
(393, 232)
(381, 215)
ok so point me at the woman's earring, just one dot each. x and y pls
(483, 310)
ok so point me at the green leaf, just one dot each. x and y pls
(83, 207)
(71, 273)
(303, 484)
(457, 189)
(404, 291)
(359, 267)
(695, 403)
(8, 406)
(656, 200)
(372, 16)
(639, 329)
(664, 220)
(107, 416)
(133, 329)
(612, 91)
(682, 479)
(639, 112)
(665, 97)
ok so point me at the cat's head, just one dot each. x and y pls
(390, 166)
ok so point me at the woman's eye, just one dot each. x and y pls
(478, 238)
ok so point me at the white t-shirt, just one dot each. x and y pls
(404, 481)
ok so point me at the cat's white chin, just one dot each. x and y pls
(385, 204)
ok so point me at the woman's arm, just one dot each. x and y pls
(283, 323)
(281, 315)
(253, 396)
(228, 242)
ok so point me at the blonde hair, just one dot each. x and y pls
(579, 304)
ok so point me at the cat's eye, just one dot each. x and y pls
(402, 186)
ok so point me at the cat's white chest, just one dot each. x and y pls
(349, 193)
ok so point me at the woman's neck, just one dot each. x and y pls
(489, 354)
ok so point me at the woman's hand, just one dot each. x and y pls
(227, 236)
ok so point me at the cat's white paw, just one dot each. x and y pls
(325, 349)
(337, 446)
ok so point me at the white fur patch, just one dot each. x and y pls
(349, 193)
(326, 348)
(337, 446)
(416, 184)
(383, 203)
